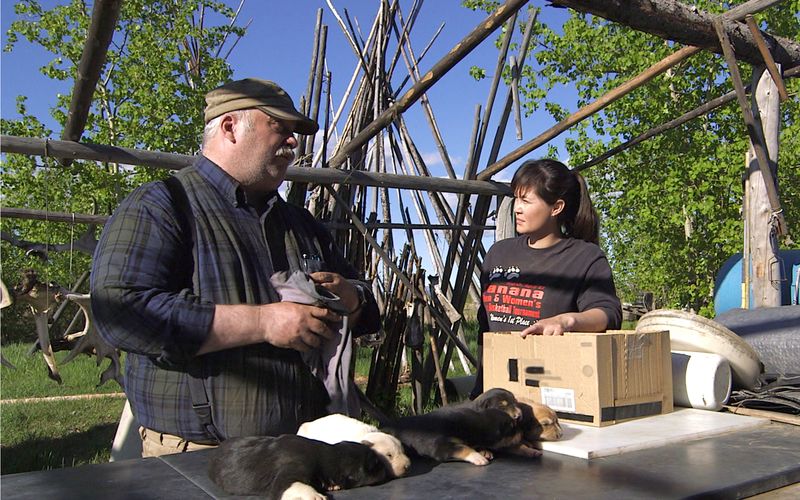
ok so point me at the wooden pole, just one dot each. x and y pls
(297, 191)
(765, 53)
(97, 152)
(764, 261)
(489, 107)
(443, 210)
(104, 19)
(473, 239)
(412, 64)
(476, 148)
(356, 49)
(588, 110)
(698, 111)
(455, 240)
(754, 130)
(685, 24)
(75, 218)
(314, 61)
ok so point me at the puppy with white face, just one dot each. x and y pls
(336, 428)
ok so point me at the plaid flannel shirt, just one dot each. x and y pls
(145, 303)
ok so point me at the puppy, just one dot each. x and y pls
(539, 423)
(458, 433)
(500, 399)
(336, 428)
(290, 466)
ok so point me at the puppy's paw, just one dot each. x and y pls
(301, 491)
(481, 457)
(478, 458)
(523, 450)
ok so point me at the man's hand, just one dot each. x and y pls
(296, 326)
(344, 289)
(282, 324)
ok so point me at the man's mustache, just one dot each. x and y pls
(286, 152)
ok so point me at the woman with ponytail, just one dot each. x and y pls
(553, 277)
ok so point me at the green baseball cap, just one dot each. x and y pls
(265, 95)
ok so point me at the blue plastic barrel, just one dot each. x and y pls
(728, 283)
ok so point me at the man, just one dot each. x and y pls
(181, 281)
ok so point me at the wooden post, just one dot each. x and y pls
(505, 228)
(765, 265)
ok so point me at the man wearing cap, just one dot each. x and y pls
(181, 282)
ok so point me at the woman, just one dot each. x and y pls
(553, 277)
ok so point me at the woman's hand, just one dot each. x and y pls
(592, 320)
(555, 325)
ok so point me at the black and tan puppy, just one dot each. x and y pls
(538, 423)
(457, 434)
(291, 466)
(469, 431)
(499, 399)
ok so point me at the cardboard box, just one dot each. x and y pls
(594, 379)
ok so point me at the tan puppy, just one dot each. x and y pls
(336, 428)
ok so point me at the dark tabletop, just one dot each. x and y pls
(732, 465)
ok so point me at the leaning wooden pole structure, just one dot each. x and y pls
(433, 75)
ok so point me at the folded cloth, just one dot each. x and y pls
(297, 286)
(331, 362)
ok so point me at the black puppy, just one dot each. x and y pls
(293, 466)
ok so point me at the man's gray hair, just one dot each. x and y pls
(243, 115)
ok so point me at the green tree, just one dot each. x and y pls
(164, 56)
(671, 206)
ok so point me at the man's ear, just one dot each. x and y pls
(558, 207)
(227, 127)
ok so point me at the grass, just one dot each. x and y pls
(48, 433)
(53, 434)
(28, 378)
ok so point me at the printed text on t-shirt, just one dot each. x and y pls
(513, 303)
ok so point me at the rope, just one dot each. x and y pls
(71, 246)
(47, 222)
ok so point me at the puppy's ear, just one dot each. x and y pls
(367, 442)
